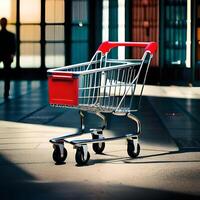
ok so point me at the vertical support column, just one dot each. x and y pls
(18, 35)
(193, 39)
(188, 41)
(161, 38)
(95, 25)
(128, 25)
(121, 28)
(67, 30)
(113, 25)
(42, 41)
(105, 21)
(91, 18)
(98, 23)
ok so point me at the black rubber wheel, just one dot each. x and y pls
(79, 157)
(98, 147)
(131, 148)
(57, 155)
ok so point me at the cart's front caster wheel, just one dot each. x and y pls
(57, 157)
(131, 149)
(80, 160)
(98, 147)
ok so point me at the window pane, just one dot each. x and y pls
(54, 11)
(30, 11)
(8, 10)
(30, 33)
(11, 28)
(55, 55)
(30, 55)
(79, 33)
(80, 11)
(175, 37)
(54, 33)
(145, 26)
(79, 52)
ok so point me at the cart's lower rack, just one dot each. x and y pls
(97, 108)
(98, 143)
(92, 141)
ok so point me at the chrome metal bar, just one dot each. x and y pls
(62, 138)
(144, 80)
(136, 120)
(92, 141)
(100, 115)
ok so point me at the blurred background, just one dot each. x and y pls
(53, 33)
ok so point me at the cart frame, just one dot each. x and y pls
(100, 86)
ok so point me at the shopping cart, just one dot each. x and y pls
(101, 85)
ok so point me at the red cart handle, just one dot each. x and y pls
(105, 47)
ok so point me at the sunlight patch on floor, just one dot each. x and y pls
(171, 91)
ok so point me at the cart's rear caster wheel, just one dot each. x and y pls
(98, 147)
(57, 155)
(131, 149)
(80, 157)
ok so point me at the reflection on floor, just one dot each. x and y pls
(168, 166)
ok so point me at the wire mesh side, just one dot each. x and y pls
(104, 90)
(113, 90)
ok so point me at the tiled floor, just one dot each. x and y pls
(170, 110)
(168, 166)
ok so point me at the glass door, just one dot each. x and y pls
(175, 33)
(145, 25)
(8, 10)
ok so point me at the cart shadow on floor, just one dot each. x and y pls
(141, 159)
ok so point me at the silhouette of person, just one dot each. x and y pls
(7, 52)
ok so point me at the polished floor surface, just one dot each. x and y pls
(168, 166)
